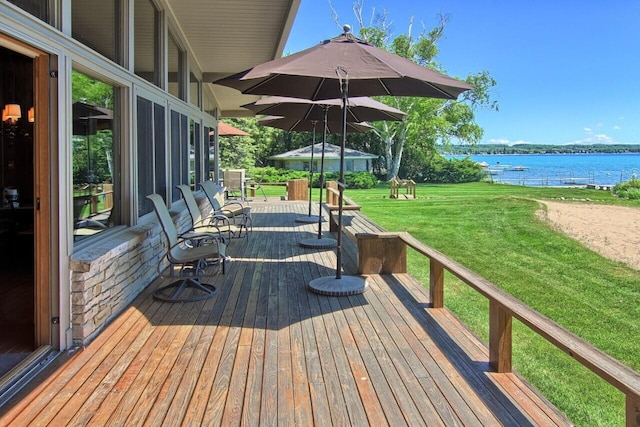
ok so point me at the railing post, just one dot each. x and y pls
(500, 337)
(633, 410)
(436, 284)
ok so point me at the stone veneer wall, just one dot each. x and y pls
(106, 277)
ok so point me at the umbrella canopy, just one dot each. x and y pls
(82, 110)
(314, 74)
(88, 119)
(299, 125)
(359, 109)
(228, 130)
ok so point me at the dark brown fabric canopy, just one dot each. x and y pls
(299, 125)
(314, 74)
(359, 109)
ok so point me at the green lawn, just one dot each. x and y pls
(493, 230)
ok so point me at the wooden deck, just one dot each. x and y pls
(265, 351)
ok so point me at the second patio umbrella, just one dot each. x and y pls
(359, 109)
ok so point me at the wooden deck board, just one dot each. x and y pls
(267, 351)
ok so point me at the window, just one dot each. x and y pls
(305, 166)
(208, 100)
(146, 45)
(194, 90)
(195, 171)
(39, 9)
(95, 156)
(349, 165)
(96, 24)
(175, 61)
(151, 144)
(179, 152)
(207, 142)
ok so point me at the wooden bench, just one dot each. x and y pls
(408, 184)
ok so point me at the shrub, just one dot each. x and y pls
(628, 189)
(360, 180)
(444, 171)
(271, 174)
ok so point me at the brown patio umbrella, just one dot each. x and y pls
(339, 68)
(360, 109)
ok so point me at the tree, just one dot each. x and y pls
(408, 145)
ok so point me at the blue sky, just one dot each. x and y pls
(567, 71)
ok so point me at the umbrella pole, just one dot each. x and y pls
(320, 242)
(344, 89)
(321, 177)
(313, 146)
(310, 219)
(340, 285)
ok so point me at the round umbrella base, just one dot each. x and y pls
(344, 286)
(315, 243)
(173, 291)
(309, 219)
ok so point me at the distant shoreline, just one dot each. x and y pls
(502, 149)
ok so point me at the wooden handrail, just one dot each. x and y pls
(503, 307)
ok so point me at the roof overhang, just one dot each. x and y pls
(229, 36)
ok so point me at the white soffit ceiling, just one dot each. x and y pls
(228, 36)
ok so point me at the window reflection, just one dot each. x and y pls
(146, 42)
(94, 24)
(37, 8)
(194, 90)
(94, 157)
(174, 64)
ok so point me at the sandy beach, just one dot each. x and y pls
(612, 231)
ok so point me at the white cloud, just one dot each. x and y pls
(616, 127)
(595, 139)
(588, 130)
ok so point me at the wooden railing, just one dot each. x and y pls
(333, 198)
(385, 253)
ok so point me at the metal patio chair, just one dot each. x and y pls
(188, 259)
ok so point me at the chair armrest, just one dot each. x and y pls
(219, 218)
(229, 203)
(199, 237)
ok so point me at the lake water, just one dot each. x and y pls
(561, 169)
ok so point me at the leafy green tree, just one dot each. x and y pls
(249, 151)
(430, 123)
